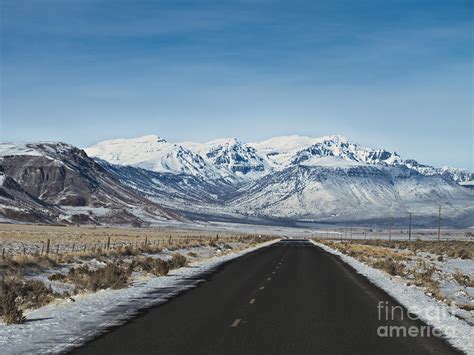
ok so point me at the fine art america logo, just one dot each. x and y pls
(397, 322)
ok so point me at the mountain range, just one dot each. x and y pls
(284, 180)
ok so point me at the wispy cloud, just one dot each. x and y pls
(301, 66)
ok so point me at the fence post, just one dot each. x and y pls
(47, 246)
(108, 242)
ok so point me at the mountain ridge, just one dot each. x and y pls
(231, 158)
(289, 180)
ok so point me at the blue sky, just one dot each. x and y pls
(391, 74)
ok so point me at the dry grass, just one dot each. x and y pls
(467, 307)
(17, 294)
(14, 263)
(389, 266)
(463, 279)
(98, 237)
(366, 251)
(67, 243)
(383, 255)
(113, 275)
(152, 266)
(23, 250)
(177, 261)
(452, 248)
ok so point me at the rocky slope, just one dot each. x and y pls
(62, 182)
(291, 178)
(282, 180)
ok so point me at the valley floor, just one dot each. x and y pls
(91, 279)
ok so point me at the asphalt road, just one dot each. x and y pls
(288, 298)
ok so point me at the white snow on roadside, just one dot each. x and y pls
(62, 326)
(459, 333)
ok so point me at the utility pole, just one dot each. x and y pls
(439, 223)
(409, 228)
(390, 230)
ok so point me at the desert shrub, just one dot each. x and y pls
(10, 311)
(468, 306)
(463, 279)
(111, 276)
(127, 251)
(389, 265)
(18, 294)
(149, 248)
(57, 277)
(192, 254)
(464, 254)
(156, 267)
(177, 261)
(424, 274)
(30, 261)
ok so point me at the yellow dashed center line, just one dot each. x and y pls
(236, 323)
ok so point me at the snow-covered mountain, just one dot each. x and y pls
(237, 161)
(289, 179)
(340, 148)
(461, 176)
(352, 192)
(57, 182)
(155, 154)
(233, 158)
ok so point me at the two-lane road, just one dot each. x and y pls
(288, 298)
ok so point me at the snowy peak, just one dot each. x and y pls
(279, 151)
(461, 176)
(234, 160)
(235, 157)
(152, 153)
(339, 148)
(46, 149)
(380, 156)
(128, 151)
